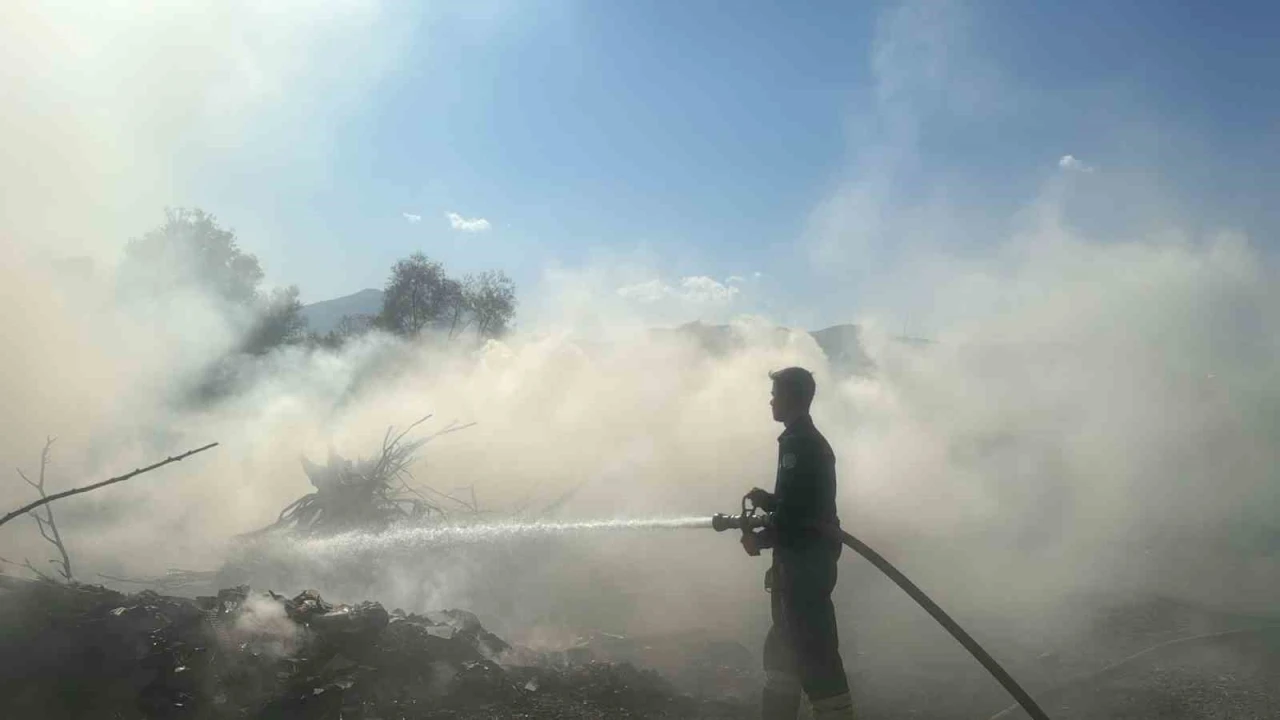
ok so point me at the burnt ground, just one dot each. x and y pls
(89, 652)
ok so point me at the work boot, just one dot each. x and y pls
(836, 707)
(781, 697)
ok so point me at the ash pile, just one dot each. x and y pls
(80, 651)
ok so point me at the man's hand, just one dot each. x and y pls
(761, 499)
(750, 544)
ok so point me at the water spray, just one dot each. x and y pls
(750, 518)
(412, 538)
(753, 518)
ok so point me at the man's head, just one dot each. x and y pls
(793, 390)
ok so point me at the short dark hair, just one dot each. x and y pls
(796, 381)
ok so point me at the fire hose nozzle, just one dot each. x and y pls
(721, 522)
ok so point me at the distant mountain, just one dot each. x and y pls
(842, 344)
(325, 315)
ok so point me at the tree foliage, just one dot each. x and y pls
(191, 250)
(491, 299)
(279, 322)
(349, 327)
(416, 296)
(420, 296)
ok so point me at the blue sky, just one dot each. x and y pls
(812, 143)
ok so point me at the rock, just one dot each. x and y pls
(364, 622)
(469, 629)
(307, 605)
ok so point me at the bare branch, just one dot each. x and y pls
(56, 539)
(47, 525)
(434, 491)
(44, 456)
(40, 523)
(411, 489)
(451, 428)
(410, 428)
(172, 579)
(76, 491)
(44, 463)
(27, 564)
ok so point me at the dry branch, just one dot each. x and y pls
(173, 579)
(76, 491)
(26, 563)
(48, 527)
(367, 493)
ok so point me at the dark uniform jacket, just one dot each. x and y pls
(804, 498)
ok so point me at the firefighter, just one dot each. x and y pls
(801, 651)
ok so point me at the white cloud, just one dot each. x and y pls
(701, 288)
(1069, 162)
(470, 225)
(646, 292)
(413, 219)
(698, 289)
(734, 280)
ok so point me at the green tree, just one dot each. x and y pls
(457, 306)
(279, 322)
(191, 250)
(417, 296)
(490, 298)
(349, 327)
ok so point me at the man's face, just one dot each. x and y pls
(779, 404)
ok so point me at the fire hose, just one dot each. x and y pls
(753, 518)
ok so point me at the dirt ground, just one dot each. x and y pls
(89, 652)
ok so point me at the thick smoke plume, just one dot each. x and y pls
(1096, 424)
(1091, 418)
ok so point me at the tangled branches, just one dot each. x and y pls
(367, 494)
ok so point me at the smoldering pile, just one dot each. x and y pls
(73, 651)
(367, 493)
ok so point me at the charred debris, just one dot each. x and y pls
(74, 650)
(80, 651)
